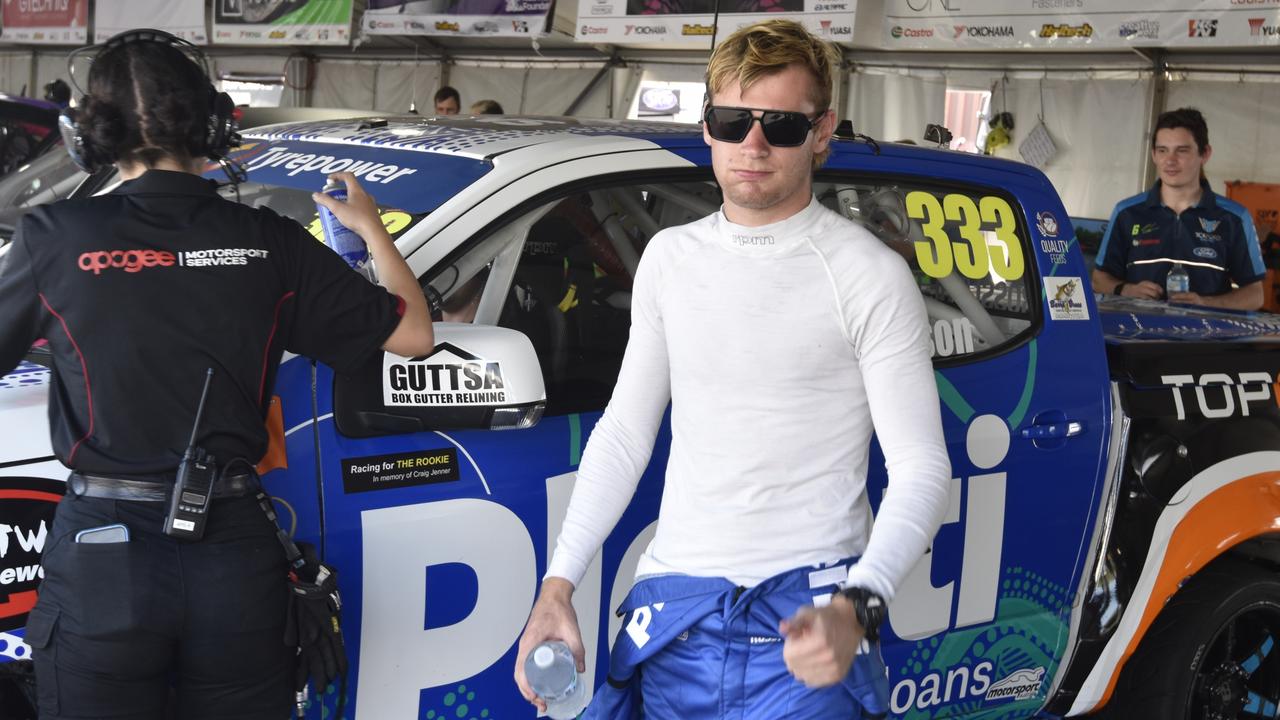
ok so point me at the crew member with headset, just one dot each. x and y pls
(142, 293)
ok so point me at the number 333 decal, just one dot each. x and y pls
(974, 256)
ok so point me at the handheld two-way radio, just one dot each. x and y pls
(193, 489)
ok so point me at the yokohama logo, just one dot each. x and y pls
(131, 261)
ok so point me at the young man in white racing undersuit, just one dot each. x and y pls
(781, 332)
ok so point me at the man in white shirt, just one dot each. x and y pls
(781, 333)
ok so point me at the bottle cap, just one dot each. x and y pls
(544, 657)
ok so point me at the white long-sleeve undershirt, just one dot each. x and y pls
(779, 348)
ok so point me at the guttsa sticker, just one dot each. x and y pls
(988, 236)
(449, 377)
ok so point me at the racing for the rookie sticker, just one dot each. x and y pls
(450, 377)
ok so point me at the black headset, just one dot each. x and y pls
(219, 138)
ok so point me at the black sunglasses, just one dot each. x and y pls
(782, 128)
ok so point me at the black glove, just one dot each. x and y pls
(314, 625)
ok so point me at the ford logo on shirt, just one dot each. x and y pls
(1207, 253)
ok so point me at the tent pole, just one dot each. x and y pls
(604, 70)
(1159, 98)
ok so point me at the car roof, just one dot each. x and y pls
(479, 136)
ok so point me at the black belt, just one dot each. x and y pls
(115, 488)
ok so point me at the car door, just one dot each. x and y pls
(444, 573)
(980, 625)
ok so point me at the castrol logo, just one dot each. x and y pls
(131, 261)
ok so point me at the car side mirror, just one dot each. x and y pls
(478, 377)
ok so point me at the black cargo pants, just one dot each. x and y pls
(118, 626)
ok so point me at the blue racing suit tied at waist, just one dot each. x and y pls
(702, 647)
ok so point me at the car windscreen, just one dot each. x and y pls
(296, 203)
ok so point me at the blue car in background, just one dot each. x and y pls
(437, 485)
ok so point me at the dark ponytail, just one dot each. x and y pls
(146, 101)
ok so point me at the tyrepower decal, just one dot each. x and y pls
(26, 515)
(383, 472)
(450, 376)
(369, 171)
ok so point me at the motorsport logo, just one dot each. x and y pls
(1202, 28)
(1140, 29)
(1049, 30)
(1258, 27)
(826, 28)
(1066, 298)
(448, 376)
(983, 31)
(696, 29)
(899, 31)
(1019, 685)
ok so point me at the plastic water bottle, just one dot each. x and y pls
(553, 674)
(1177, 281)
(342, 239)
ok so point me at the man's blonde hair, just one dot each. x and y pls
(768, 47)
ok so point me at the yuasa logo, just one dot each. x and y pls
(128, 260)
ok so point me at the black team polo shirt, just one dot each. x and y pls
(139, 291)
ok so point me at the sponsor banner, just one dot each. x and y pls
(691, 22)
(513, 18)
(1092, 24)
(26, 517)
(60, 22)
(184, 18)
(282, 22)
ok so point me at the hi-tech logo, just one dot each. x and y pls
(1049, 30)
(1202, 28)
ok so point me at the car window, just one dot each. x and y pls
(967, 250)
(561, 272)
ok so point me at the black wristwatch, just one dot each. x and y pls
(1118, 288)
(869, 609)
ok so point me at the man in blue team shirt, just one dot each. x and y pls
(1182, 220)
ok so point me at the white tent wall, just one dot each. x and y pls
(894, 106)
(521, 88)
(1099, 128)
(1243, 119)
(15, 72)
